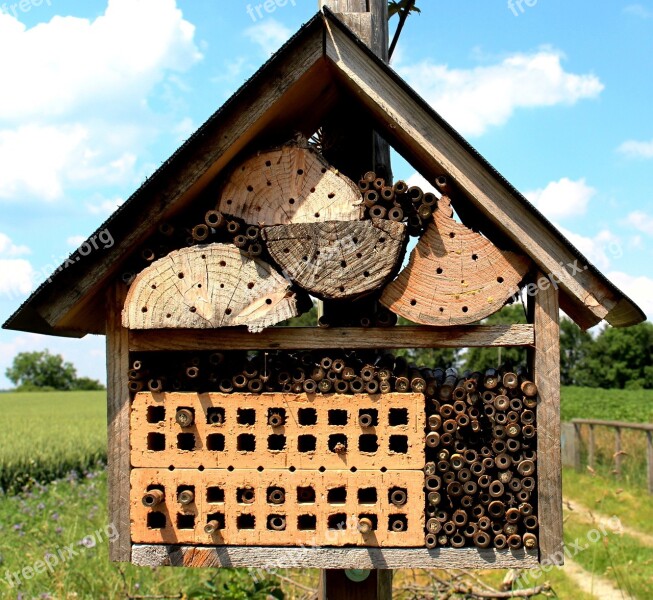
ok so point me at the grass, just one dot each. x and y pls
(48, 434)
(633, 406)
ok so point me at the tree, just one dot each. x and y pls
(480, 359)
(619, 358)
(42, 370)
(575, 346)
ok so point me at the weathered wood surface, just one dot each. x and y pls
(332, 558)
(435, 151)
(455, 276)
(289, 185)
(546, 370)
(338, 260)
(293, 338)
(205, 287)
(118, 461)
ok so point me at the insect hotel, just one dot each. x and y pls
(236, 440)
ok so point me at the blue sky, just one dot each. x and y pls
(94, 95)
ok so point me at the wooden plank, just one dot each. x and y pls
(293, 89)
(292, 338)
(118, 425)
(546, 368)
(649, 460)
(578, 440)
(332, 558)
(435, 150)
(620, 424)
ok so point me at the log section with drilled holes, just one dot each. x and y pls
(206, 287)
(289, 185)
(338, 260)
(454, 276)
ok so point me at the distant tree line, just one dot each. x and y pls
(43, 371)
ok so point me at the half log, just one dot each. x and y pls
(204, 287)
(338, 260)
(455, 276)
(289, 185)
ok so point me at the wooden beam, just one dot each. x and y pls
(544, 309)
(292, 338)
(435, 150)
(118, 426)
(332, 558)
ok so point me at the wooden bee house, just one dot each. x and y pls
(273, 463)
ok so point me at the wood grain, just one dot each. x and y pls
(289, 185)
(293, 338)
(455, 276)
(435, 151)
(333, 558)
(546, 369)
(205, 287)
(118, 461)
(338, 260)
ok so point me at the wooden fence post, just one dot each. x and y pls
(577, 444)
(591, 448)
(649, 460)
(617, 451)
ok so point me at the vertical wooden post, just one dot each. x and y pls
(356, 147)
(617, 451)
(118, 424)
(591, 447)
(544, 311)
(578, 440)
(649, 460)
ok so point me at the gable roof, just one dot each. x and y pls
(322, 64)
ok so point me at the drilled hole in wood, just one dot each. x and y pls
(342, 288)
(300, 171)
(276, 443)
(343, 263)
(474, 256)
(286, 250)
(331, 195)
(223, 263)
(156, 414)
(500, 279)
(413, 302)
(268, 301)
(180, 275)
(246, 522)
(337, 522)
(156, 520)
(337, 495)
(398, 416)
(323, 170)
(144, 309)
(366, 274)
(306, 522)
(452, 235)
(227, 312)
(246, 442)
(465, 309)
(192, 309)
(230, 202)
(169, 316)
(382, 240)
(214, 495)
(439, 271)
(317, 215)
(203, 256)
(269, 184)
(291, 201)
(153, 286)
(368, 443)
(307, 416)
(337, 441)
(250, 188)
(441, 309)
(338, 417)
(305, 495)
(312, 190)
(305, 258)
(156, 442)
(186, 441)
(399, 444)
(215, 442)
(268, 163)
(359, 255)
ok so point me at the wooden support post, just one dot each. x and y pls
(578, 440)
(649, 460)
(591, 451)
(617, 451)
(118, 425)
(544, 311)
(335, 585)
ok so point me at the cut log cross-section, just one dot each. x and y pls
(338, 260)
(289, 185)
(206, 287)
(455, 275)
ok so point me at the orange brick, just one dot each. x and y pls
(217, 492)
(396, 442)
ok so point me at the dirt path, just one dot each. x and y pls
(584, 513)
(596, 586)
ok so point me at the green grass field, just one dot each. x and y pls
(635, 406)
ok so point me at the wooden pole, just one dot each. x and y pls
(577, 444)
(353, 155)
(649, 460)
(617, 451)
(592, 447)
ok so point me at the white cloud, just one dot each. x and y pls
(269, 35)
(635, 149)
(76, 240)
(641, 221)
(473, 100)
(184, 129)
(599, 250)
(9, 249)
(422, 182)
(563, 198)
(639, 289)
(78, 109)
(638, 10)
(104, 208)
(16, 278)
